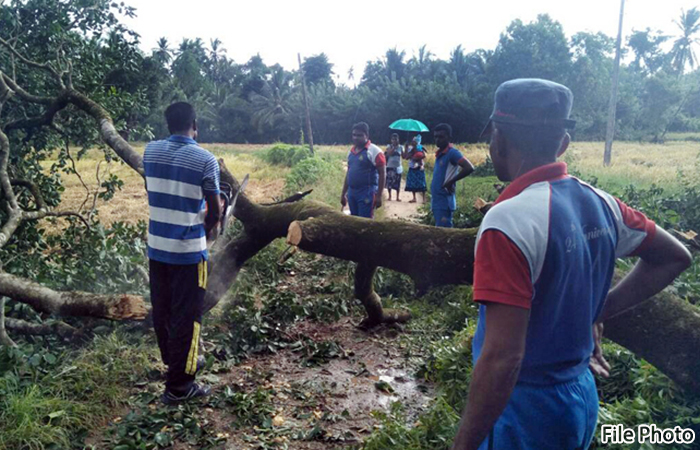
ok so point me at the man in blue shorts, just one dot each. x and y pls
(450, 167)
(545, 256)
(366, 175)
(182, 180)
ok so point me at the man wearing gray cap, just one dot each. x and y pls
(545, 256)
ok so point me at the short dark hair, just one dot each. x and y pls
(533, 141)
(361, 126)
(443, 127)
(394, 135)
(180, 116)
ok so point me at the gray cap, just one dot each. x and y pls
(532, 102)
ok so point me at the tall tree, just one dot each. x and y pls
(648, 55)
(272, 106)
(318, 69)
(163, 53)
(683, 51)
(538, 49)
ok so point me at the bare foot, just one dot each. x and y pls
(412, 201)
(398, 199)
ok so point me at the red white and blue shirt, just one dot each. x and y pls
(362, 167)
(178, 174)
(549, 244)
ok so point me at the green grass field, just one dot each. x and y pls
(641, 164)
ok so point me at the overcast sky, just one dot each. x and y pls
(351, 33)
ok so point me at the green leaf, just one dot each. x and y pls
(163, 439)
(57, 414)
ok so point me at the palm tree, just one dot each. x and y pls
(459, 65)
(394, 64)
(163, 53)
(683, 52)
(217, 50)
(272, 104)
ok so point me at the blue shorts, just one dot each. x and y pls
(361, 202)
(557, 417)
(443, 218)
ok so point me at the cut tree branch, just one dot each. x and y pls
(72, 303)
(41, 329)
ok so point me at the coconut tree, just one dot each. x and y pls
(272, 104)
(683, 51)
(163, 53)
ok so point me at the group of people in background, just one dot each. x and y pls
(370, 171)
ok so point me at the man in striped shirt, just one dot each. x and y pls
(182, 180)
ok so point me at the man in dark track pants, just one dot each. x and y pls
(182, 180)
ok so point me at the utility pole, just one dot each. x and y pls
(309, 132)
(613, 94)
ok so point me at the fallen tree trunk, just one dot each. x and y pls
(72, 303)
(431, 256)
(666, 332)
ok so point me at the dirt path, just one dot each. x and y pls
(401, 210)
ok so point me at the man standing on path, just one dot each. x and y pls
(545, 256)
(366, 175)
(448, 161)
(182, 180)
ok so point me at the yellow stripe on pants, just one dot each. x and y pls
(191, 367)
(202, 273)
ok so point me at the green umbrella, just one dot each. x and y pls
(409, 125)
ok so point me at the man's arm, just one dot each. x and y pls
(210, 188)
(467, 169)
(211, 221)
(495, 374)
(344, 193)
(661, 261)
(382, 183)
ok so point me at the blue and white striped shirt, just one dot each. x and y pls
(178, 174)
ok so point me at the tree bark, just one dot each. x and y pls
(430, 256)
(72, 303)
(4, 338)
(43, 329)
(665, 331)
